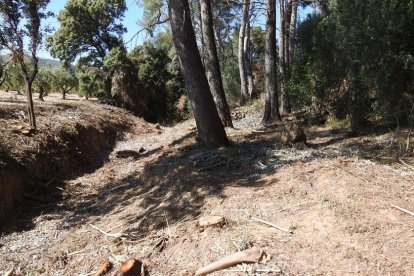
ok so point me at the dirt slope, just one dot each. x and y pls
(144, 202)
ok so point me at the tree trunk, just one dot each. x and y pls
(242, 65)
(30, 107)
(292, 32)
(283, 99)
(64, 94)
(247, 61)
(108, 87)
(271, 103)
(41, 93)
(212, 64)
(356, 99)
(210, 129)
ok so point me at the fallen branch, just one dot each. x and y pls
(405, 164)
(116, 235)
(251, 255)
(354, 175)
(402, 210)
(272, 225)
(295, 206)
(104, 268)
(76, 252)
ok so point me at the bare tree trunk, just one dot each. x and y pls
(247, 61)
(30, 107)
(242, 65)
(283, 99)
(41, 93)
(271, 103)
(210, 129)
(212, 64)
(64, 94)
(292, 32)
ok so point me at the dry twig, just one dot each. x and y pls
(115, 235)
(402, 210)
(405, 164)
(272, 225)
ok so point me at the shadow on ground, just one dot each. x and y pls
(175, 186)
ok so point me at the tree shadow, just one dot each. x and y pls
(176, 185)
(175, 181)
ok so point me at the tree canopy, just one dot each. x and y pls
(89, 29)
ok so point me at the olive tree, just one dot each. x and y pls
(21, 34)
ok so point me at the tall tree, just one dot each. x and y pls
(271, 102)
(241, 51)
(212, 63)
(21, 33)
(210, 129)
(89, 29)
(247, 59)
(288, 18)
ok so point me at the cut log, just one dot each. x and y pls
(133, 267)
(251, 255)
(209, 221)
(105, 268)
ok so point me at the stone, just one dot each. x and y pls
(209, 221)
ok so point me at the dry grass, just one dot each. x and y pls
(335, 201)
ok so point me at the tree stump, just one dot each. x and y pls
(292, 134)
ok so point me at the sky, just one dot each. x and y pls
(133, 14)
(130, 21)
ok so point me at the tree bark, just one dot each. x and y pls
(210, 129)
(271, 102)
(283, 96)
(30, 107)
(241, 55)
(292, 32)
(41, 93)
(212, 64)
(247, 61)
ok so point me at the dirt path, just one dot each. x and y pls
(144, 203)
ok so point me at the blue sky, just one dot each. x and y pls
(133, 14)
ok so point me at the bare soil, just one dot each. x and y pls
(145, 200)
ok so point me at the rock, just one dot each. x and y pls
(209, 221)
(141, 150)
(133, 267)
(292, 134)
(157, 126)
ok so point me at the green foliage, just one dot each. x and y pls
(44, 80)
(158, 72)
(90, 80)
(14, 80)
(64, 80)
(356, 58)
(89, 29)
